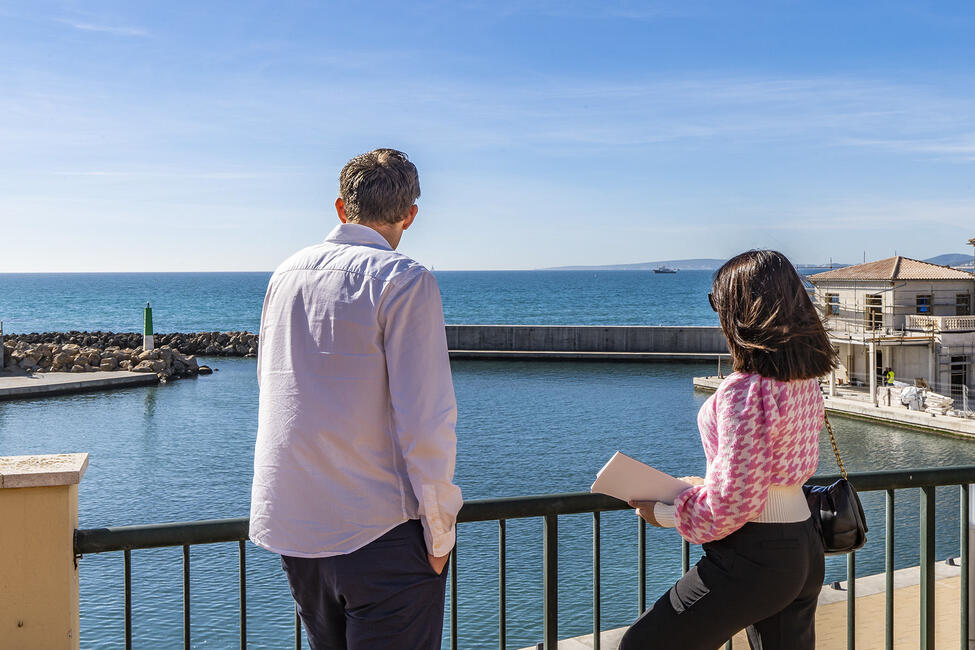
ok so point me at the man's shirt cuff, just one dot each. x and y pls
(439, 545)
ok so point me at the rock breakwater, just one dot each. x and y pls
(173, 358)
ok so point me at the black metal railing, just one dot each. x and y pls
(549, 508)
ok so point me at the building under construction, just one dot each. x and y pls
(900, 314)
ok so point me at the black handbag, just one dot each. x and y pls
(836, 510)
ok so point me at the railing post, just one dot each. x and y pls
(186, 597)
(242, 592)
(851, 601)
(127, 598)
(967, 565)
(38, 567)
(966, 539)
(502, 586)
(927, 568)
(551, 581)
(889, 572)
(596, 600)
(641, 564)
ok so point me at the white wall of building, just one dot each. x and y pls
(898, 300)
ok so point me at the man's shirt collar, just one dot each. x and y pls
(354, 233)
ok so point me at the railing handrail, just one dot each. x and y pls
(120, 538)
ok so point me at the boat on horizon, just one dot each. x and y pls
(664, 269)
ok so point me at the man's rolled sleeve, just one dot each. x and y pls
(422, 397)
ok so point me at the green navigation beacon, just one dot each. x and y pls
(147, 339)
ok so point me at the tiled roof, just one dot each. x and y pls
(894, 268)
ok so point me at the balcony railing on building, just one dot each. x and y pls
(920, 322)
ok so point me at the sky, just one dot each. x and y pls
(208, 136)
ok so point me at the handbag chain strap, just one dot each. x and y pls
(836, 450)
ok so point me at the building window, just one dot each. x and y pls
(832, 304)
(873, 316)
(959, 374)
(963, 304)
(924, 304)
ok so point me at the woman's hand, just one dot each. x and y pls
(645, 510)
(693, 480)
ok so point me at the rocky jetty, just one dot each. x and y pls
(211, 344)
(174, 356)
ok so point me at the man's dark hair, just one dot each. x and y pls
(379, 187)
(771, 325)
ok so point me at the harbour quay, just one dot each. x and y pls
(24, 386)
(855, 403)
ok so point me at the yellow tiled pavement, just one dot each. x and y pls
(831, 620)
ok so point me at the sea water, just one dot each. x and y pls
(204, 302)
(184, 452)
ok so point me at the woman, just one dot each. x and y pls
(763, 562)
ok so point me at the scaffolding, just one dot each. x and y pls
(873, 309)
(954, 366)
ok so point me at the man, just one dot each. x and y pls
(355, 452)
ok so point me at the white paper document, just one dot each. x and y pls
(626, 478)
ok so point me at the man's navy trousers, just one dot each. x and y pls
(384, 595)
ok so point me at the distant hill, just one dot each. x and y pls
(700, 264)
(711, 264)
(951, 259)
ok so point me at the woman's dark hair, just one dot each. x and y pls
(771, 325)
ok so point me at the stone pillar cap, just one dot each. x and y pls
(42, 471)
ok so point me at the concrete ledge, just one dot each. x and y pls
(42, 471)
(58, 383)
(696, 357)
(945, 425)
(941, 424)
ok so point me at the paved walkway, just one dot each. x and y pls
(870, 615)
(44, 384)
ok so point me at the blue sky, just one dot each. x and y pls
(209, 135)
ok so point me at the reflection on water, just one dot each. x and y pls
(184, 452)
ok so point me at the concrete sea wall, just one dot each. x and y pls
(463, 341)
(703, 342)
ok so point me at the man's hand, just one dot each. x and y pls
(438, 563)
(693, 480)
(645, 510)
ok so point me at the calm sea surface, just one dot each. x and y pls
(203, 302)
(184, 451)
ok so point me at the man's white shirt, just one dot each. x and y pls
(357, 410)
